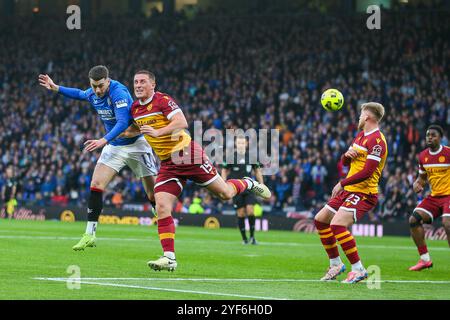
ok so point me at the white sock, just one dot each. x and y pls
(357, 266)
(335, 261)
(91, 227)
(249, 183)
(169, 254)
(425, 257)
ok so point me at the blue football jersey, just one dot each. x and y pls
(113, 109)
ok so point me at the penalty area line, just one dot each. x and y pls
(107, 284)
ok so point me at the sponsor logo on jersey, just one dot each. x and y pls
(121, 104)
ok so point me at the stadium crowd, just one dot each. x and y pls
(272, 69)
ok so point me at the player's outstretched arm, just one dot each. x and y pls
(73, 93)
(47, 82)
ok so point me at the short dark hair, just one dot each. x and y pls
(438, 128)
(150, 74)
(99, 72)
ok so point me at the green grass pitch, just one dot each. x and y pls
(212, 264)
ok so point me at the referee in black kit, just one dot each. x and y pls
(245, 201)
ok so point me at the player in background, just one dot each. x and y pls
(434, 166)
(245, 201)
(8, 193)
(352, 197)
(112, 101)
(163, 124)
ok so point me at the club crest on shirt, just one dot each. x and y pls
(426, 159)
(441, 159)
(149, 107)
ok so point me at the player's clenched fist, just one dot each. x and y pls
(47, 82)
(146, 129)
(417, 187)
(351, 153)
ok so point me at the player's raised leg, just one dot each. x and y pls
(340, 224)
(322, 222)
(416, 220)
(101, 177)
(226, 190)
(166, 228)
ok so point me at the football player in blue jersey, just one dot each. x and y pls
(112, 102)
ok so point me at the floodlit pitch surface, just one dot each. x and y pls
(212, 264)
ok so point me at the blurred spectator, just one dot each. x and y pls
(196, 206)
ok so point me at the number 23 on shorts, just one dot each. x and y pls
(353, 199)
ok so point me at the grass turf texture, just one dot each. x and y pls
(288, 262)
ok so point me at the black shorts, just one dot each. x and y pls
(244, 199)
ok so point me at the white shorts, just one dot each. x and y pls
(138, 156)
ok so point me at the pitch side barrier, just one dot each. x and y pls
(265, 223)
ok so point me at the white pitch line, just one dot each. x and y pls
(234, 280)
(69, 238)
(367, 246)
(165, 289)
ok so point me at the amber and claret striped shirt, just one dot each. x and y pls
(437, 167)
(370, 145)
(157, 112)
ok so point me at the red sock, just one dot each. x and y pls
(347, 242)
(240, 185)
(166, 231)
(422, 249)
(327, 238)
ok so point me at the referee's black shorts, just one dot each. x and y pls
(244, 199)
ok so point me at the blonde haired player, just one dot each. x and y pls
(352, 197)
(434, 166)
